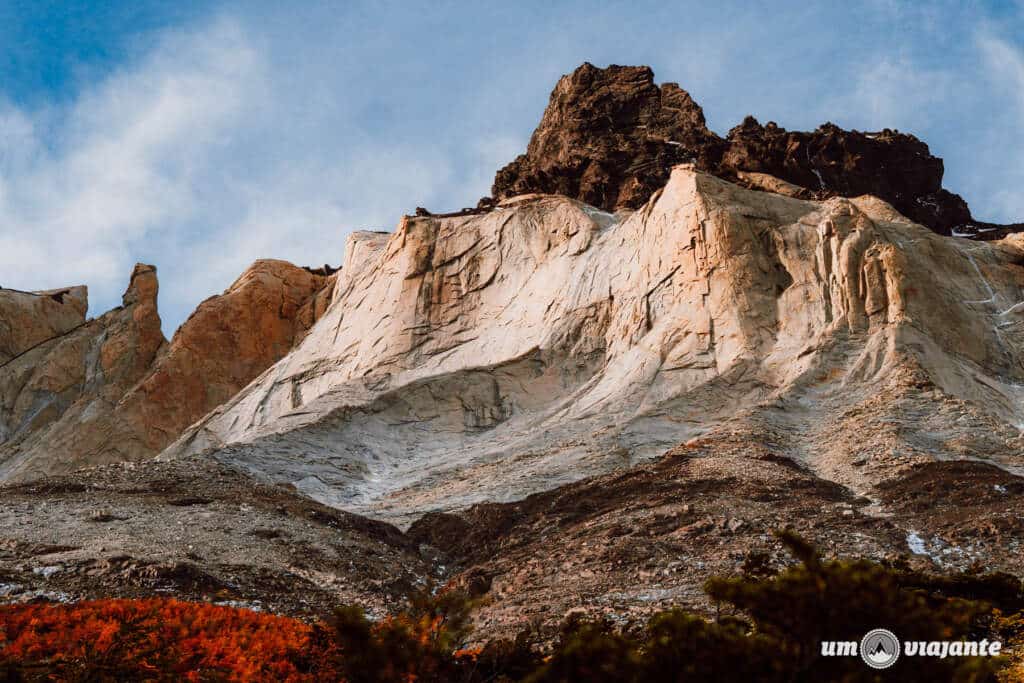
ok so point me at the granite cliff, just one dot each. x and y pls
(490, 356)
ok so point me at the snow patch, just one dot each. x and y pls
(916, 544)
(984, 281)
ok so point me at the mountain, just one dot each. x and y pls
(487, 357)
(609, 381)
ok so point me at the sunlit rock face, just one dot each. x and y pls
(56, 398)
(77, 393)
(489, 356)
(28, 319)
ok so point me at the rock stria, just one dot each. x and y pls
(487, 357)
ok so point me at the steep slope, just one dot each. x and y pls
(225, 343)
(77, 393)
(609, 137)
(627, 544)
(198, 531)
(486, 357)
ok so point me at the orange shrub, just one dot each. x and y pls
(154, 639)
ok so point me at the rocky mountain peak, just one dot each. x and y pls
(587, 340)
(609, 137)
(75, 392)
(567, 408)
(142, 286)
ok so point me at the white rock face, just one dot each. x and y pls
(490, 356)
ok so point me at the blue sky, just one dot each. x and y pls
(200, 136)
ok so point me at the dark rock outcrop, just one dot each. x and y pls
(831, 161)
(609, 137)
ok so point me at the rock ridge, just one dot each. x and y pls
(485, 357)
(609, 137)
(77, 392)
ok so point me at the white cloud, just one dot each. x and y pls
(201, 157)
(80, 187)
(891, 92)
(1003, 67)
(1007, 65)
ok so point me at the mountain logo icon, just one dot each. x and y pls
(879, 648)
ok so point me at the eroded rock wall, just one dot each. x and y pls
(489, 356)
(56, 398)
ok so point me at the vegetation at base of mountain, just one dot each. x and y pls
(769, 628)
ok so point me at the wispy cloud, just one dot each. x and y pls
(123, 164)
(892, 92)
(193, 158)
(1004, 67)
(1007, 64)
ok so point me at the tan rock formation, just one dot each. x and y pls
(486, 357)
(224, 344)
(113, 389)
(31, 318)
(57, 397)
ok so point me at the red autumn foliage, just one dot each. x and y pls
(155, 640)
(775, 635)
(170, 640)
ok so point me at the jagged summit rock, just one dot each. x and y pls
(893, 166)
(491, 356)
(55, 394)
(609, 138)
(226, 342)
(78, 393)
